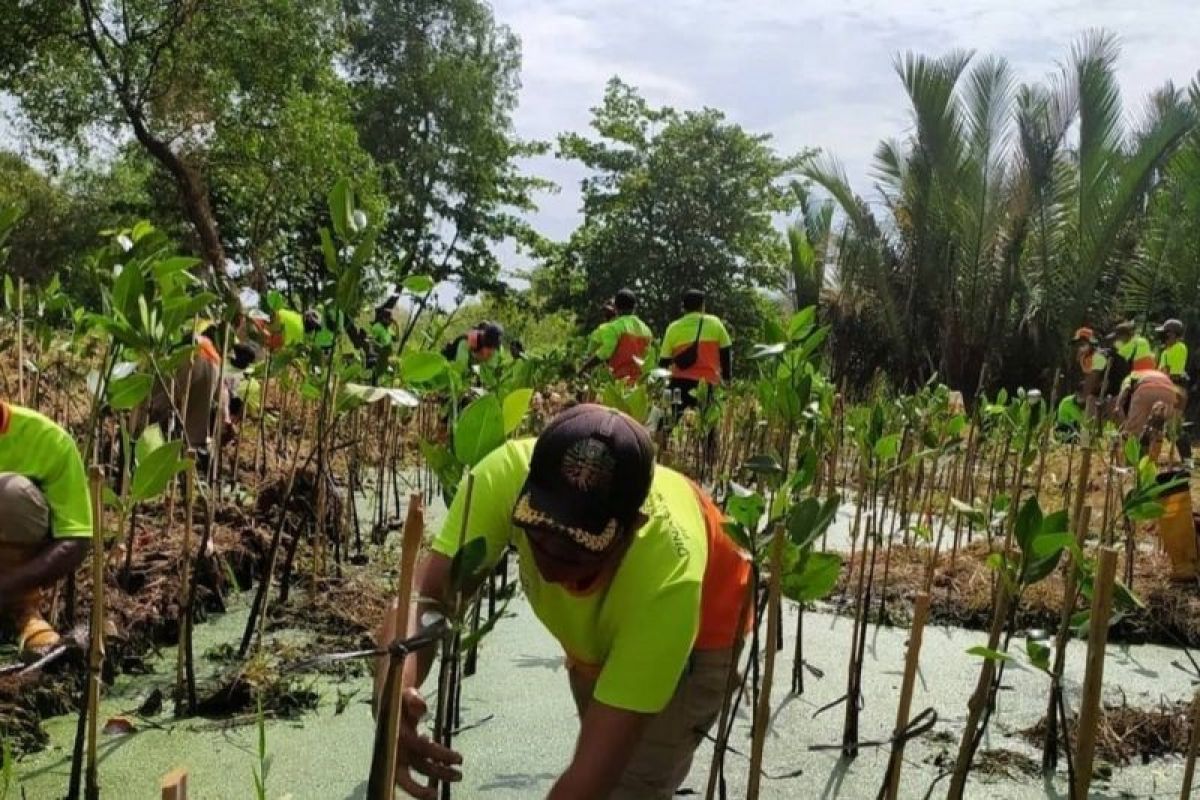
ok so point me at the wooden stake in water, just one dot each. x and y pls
(1093, 676)
(762, 718)
(1189, 770)
(96, 634)
(911, 663)
(174, 785)
(389, 671)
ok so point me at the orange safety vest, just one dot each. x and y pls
(625, 360)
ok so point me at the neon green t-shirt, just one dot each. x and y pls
(605, 339)
(291, 324)
(35, 447)
(638, 630)
(1173, 360)
(1136, 348)
(682, 332)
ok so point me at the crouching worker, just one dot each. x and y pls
(628, 566)
(45, 519)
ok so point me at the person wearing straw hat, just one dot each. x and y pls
(45, 519)
(628, 566)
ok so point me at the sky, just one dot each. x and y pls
(811, 74)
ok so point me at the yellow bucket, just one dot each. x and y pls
(1177, 529)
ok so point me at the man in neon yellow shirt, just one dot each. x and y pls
(628, 566)
(696, 348)
(45, 518)
(1173, 361)
(622, 341)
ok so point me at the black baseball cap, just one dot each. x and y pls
(590, 472)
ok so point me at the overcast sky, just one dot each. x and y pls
(811, 74)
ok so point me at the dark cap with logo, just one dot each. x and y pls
(590, 472)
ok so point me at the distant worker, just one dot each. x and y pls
(195, 391)
(45, 519)
(696, 348)
(1149, 401)
(1093, 364)
(629, 567)
(1133, 349)
(622, 341)
(479, 345)
(1173, 361)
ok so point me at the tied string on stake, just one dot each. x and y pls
(436, 626)
(919, 725)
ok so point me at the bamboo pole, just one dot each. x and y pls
(174, 785)
(21, 341)
(912, 661)
(1189, 769)
(1093, 677)
(763, 716)
(96, 635)
(391, 667)
(185, 561)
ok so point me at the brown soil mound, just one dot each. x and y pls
(1125, 734)
(962, 595)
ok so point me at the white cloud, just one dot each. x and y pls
(816, 74)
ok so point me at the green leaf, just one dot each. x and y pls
(341, 208)
(1039, 654)
(888, 447)
(1029, 523)
(746, 509)
(422, 367)
(418, 284)
(130, 391)
(764, 464)
(990, 655)
(275, 300)
(516, 406)
(814, 577)
(469, 563)
(809, 519)
(1133, 451)
(1126, 600)
(1051, 544)
(153, 474)
(479, 430)
(150, 440)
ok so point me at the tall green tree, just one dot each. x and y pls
(673, 200)
(171, 74)
(436, 84)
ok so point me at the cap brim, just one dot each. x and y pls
(539, 507)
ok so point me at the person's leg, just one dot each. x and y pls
(201, 388)
(664, 756)
(24, 530)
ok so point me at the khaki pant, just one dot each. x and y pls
(663, 758)
(24, 531)
(1144, 407)
(198, 384)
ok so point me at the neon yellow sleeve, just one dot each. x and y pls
(651, 650)
(1174, 359)
(604, 340)
(723, 339)
(57, 468)
(498, 480)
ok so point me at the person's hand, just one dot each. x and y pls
(420, 753)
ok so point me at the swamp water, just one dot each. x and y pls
(520, 723)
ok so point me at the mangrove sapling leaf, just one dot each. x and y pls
(129, 392)
(479, 430)
(153, 474)
(813, 577)
(422, 367)
(812, 343)
(809, 519)
(341, 208)
(469, 564)
(1038, 653)
(745, 507)
(150, 440)
(986, 653)
(516, 406)
(764, 464)
(767, 350)
(887, 447)
(1133, 451)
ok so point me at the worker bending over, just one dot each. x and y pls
(628, 566)
(45, 519)
(696, 348)
(479, 345)
(1172, 360)
(622, 341)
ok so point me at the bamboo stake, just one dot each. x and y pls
(911, 662)
(96, 635)
(1093, 677)
(1189, 769)
(185, 624)
(764, 698)
(391, 669)
(174, 785)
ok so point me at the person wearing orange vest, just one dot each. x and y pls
(622, 341)
(1133, 348)
(696, 348)
(628, 566)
